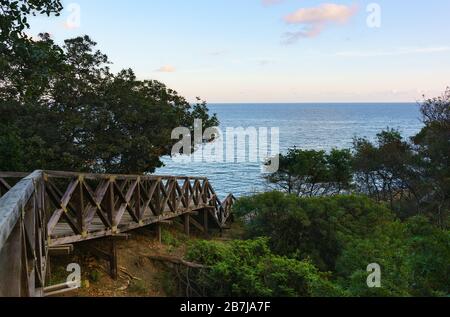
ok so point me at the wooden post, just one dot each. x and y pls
(113, 259)
(157, 194)
(139, 213)
(158, 232)
(80, 213)
(48, 269)
(111, 203)
(187, 224)
(11, 265)
(107, 252)
(205, 219)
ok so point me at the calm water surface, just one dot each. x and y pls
(307, 126)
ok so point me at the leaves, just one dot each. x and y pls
(87, 118)
(311, 173)
(310, 228)
(249, 268)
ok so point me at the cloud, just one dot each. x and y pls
(267, 3)
(315, 20)
(398, 52)
(166, 69)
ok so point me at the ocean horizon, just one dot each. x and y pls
(317, 126)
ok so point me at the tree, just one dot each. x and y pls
(342, 235)
(18, 53)
(311, 173)
(433, 147)
(62, 108)
(84, 118)
(387, 170)
(413, 257)
(310, 228)
(14, 16)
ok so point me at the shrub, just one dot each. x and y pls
(249, 268)
(310, 228)
(413, 256)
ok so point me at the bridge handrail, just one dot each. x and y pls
(37, 210)
(13, 202)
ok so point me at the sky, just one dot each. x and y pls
(227, 51)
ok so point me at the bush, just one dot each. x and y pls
(386, 247)
(413, 256)
(249, 268)
(310, 173)
(310, 228)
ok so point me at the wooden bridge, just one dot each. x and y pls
(47, 210)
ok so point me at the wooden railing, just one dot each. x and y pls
(49, 209)
(23, 245)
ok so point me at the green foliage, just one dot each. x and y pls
(21, 59)
(311, 173)
(384, 170)
(433, 146)
(413, 176)
(249, 268)
(310, 228)
(168, 282)
(81, 117)
(413, 256)
(14, 16)
(95, 275)
(138, 287)
(344, 234)
(10, 149)
(168, 238)
(429, 257)
(385, 247)
(62, 108)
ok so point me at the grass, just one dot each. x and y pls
(139, 287)
(169, 239)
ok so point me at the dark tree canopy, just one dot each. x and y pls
(17, 52)
(14, 16)
(311, 173)
(340, 235)
(62, 107)
(384, 169)
(83, 117)
(433, 147)
(413, 175)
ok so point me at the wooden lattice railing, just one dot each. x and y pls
(48, 209)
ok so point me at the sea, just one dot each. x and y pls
(318, 126)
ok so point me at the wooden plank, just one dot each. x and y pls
(96, 201)
(196, 224)
(206, 219)
(61, 174)
(68, 193)
(122, 197)
(13, 174)
(105, 232)
(4, 184)
(11, 264)
(54, 194)
(54, 219)
(12, 202)
(186, 222)
(159, 232)
(61, 250)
